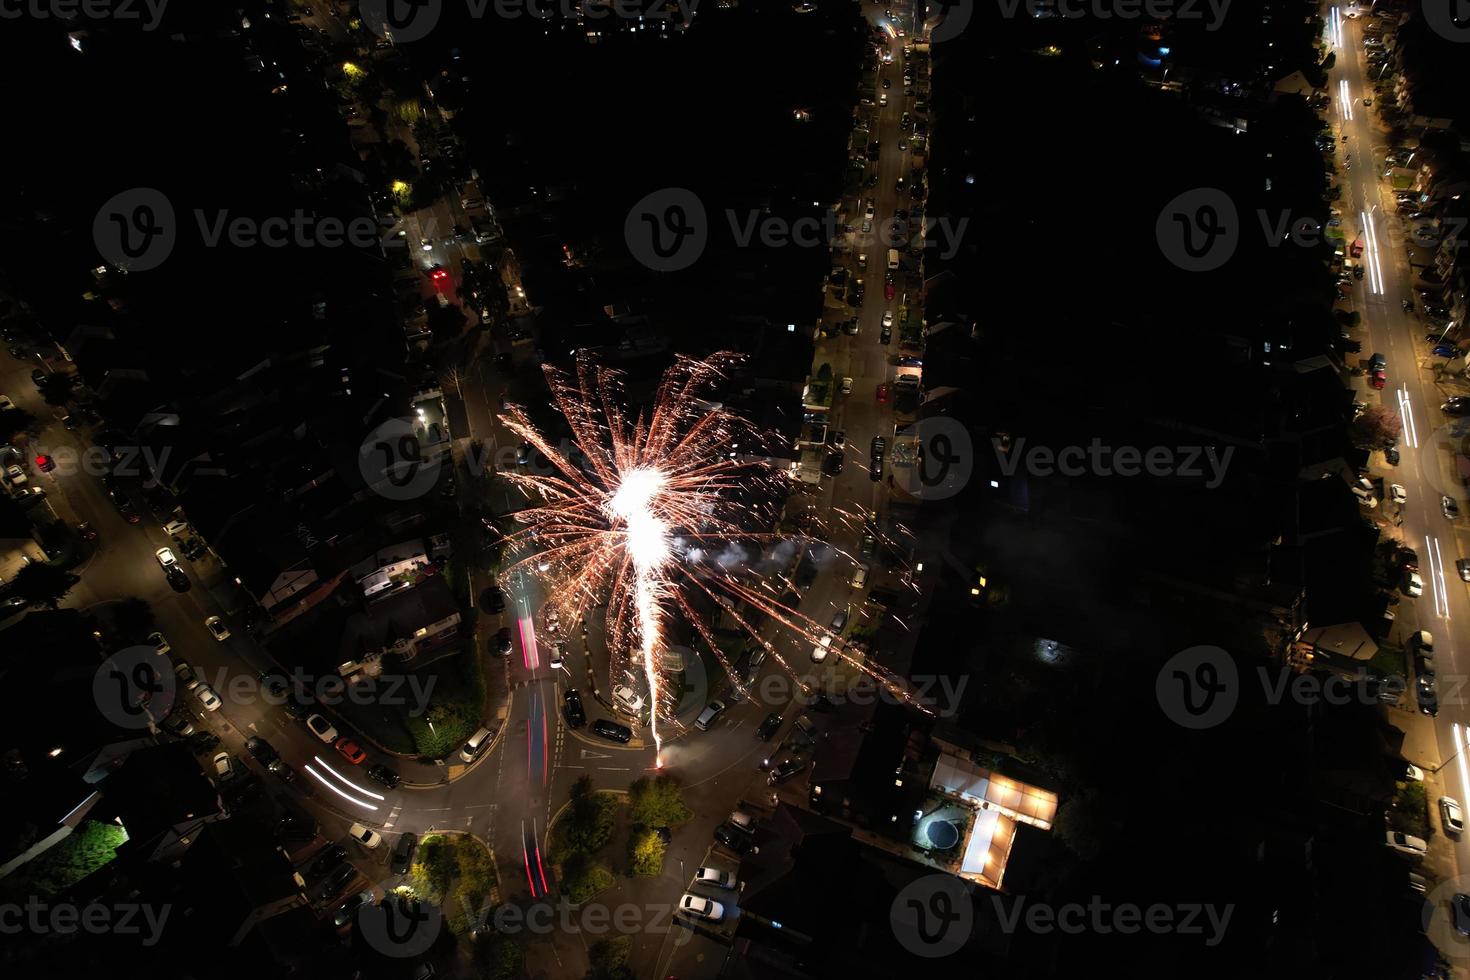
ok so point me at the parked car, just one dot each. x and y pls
(158, 642)
(186, 676)
(347, 911)
(350, 751)
(322, 729)
(403, 853)
(769, 727)
(503, 641)
(715, 878)
(1451, 816)
(382, 775)
(471, 750)
(1449, 508)
(784, 770)
(701, 907)
(1413, 585)
(732, 839)
(1412, 847)
(365, 836)
(708, 716)
(178, 723)
(572, 708)
(1462, 566)
(264, 751)
(217, 628)
(326, 859)
(207, 697)
(611, 730)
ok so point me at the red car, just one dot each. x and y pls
(1379, 379)
(888, 288)
(439, 274)
(882, 394)
(351, 751)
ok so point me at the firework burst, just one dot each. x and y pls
(636, 501)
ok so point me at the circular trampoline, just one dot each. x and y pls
(942, 834)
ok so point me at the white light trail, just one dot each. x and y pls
(1344, 100)
(325, 782)
(1406, 416)
(1437, 580)
(1334, 29)
(1375, 265)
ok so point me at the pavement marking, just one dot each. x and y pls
(613, 768)
(594, 755)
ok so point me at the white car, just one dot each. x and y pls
(819, 652)
(627, 699)
(1423, 641)
(207, 697)
(217, 628)
(860, 577)
(5, 403)
(715, 877)
(15, 476)
(165, 558)
(322, 729)
(222, 764)
(883, 99)
(159, 642)
(1398, 494)
(1413, 773)
(1414, 847)
(869, 212)
(847, 386)
(701, 907)
(365, 836)
(558, 654)
(1449, 813)
(1413, 585)
(888, 319)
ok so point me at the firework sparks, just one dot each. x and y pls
(636, 503)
